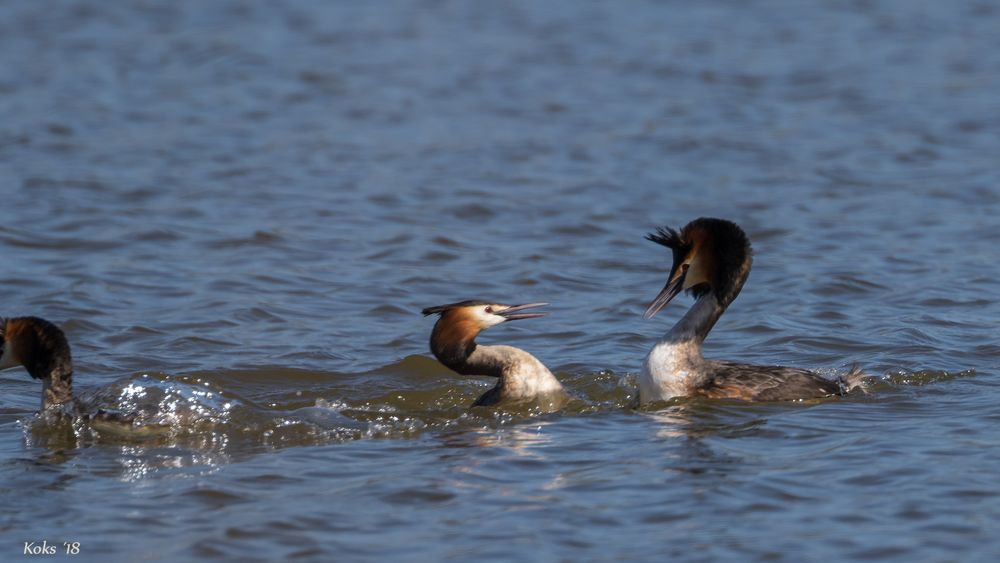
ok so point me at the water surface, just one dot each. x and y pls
(236, 210)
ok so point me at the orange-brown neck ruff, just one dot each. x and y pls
(453, 340)
(520, 376)
(42, 349)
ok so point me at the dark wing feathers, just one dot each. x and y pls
(489, 398)
(773, 383)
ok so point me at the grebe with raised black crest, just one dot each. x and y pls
(712, 259)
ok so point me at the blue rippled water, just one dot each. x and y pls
(237, 209)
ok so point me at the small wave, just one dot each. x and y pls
(212, 417)
(926, 377)
(34, 241)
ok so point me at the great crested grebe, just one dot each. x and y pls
(521, 376)
(41, 348)
(712, 259)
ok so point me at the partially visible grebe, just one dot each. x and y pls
(712, 259)
(41, 348)
(521, 377)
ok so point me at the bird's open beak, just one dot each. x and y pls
(511, 313)
(669, 291)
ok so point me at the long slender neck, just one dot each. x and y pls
(695, 325)
(520, 374)
(496, 361)
(56, 373)
(675, 365)
(453, 343)
(57, 389)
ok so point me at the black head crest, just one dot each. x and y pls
(667, 237)
(442, 308)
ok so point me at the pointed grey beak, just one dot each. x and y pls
(511, 313)
(669, 291)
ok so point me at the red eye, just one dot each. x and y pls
(489, 309)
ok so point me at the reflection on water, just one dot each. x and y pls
(524, 442)
(138, 463)
(671, 422)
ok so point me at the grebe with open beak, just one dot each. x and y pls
(712, 259)
(521, 377)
